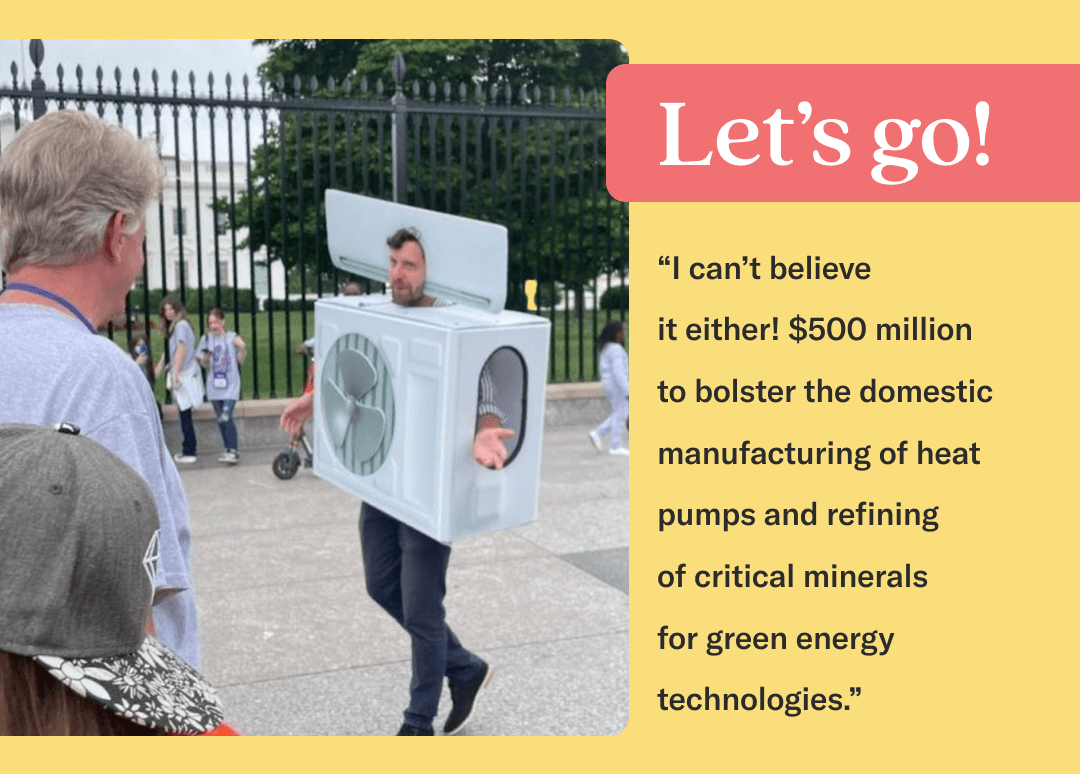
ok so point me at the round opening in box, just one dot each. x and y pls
(505, 394)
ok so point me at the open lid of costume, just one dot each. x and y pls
(466, 258)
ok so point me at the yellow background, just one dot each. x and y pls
(981, 675)
(980, 670)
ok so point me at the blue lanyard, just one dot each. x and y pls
(35, 290)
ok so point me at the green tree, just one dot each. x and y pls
(322, 59)
(577, 64)
(544, 180)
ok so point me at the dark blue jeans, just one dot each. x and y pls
(187, 427)
(223, 411)
(405, 572)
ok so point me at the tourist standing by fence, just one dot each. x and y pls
(184, 378)
(222, 353)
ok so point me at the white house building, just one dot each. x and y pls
(193, 234)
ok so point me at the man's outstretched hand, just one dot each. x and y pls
(297, 413)
(488, 447)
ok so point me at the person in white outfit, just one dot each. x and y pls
(615, 376)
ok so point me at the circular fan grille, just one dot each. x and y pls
(356, 397)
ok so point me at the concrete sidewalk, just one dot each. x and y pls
(295, 646)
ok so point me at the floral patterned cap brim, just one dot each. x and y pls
(153, 687)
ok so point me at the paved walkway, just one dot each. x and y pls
(295, 646)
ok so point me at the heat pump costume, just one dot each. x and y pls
(409, 395)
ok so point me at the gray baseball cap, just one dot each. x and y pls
(78, 560)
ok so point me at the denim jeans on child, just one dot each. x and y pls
(223, 410)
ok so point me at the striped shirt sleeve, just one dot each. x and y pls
(487, 396)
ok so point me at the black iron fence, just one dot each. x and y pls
(240, 223)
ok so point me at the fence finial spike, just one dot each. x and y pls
(397, 69)
(37, 52)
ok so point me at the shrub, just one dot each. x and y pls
(289, 305)
(617, 297)
(245, 296)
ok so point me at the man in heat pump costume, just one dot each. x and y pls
(404, 569)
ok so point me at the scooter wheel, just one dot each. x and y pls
(285, 465)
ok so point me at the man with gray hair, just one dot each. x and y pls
(73, 198)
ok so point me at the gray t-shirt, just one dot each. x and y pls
(51, 370)
(223, 370)
(182, 333)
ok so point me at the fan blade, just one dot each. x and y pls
(367, 425)
(338, 411)
(358, 375)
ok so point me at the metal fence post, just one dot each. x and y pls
(397, 140)
(37, 85)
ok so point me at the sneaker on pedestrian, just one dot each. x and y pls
(229, 457)
(407, 730)
(185, 459)
(596, 441)
(464, 698)
(619, 451)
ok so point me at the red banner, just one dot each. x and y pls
(782, 133)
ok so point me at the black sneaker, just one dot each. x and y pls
(407, 730)
(464, 698)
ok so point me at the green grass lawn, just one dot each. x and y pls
(272, 350)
